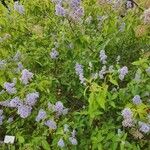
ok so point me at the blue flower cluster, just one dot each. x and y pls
(79, 72)
(72, 139)
(74, 10)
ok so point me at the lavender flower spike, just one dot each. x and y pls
(41, 115)
(54, 54)
(137, 100)
(127, 113)
(103, 57)
(51, 124)
(79, 69)
(61, 143)
(59, 10)
(10, 87)
(59, 107)
(79, 72)
(26, 76)
(19, 8)
(75, 4)
(24, 111)
(122, 72)
(31, 98)
(15, 102)
(144, 127)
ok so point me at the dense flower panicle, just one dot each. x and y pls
(137, 100)
(26, 76)
(51, 124)
(79, 72)
(82, 79)
(127, 113)
(102, 72)
(24, 111)
(75, 4)
(19, 8)
(78, 69)
(103, 57)
(73, 140)
(31, 98)
(10, 87)
(129, 4)
(61, 143)
(15, 102)
(54, 54)
(77, 14)
(41, 115)
(10, 119)
(59, 10)
(59, 107)
(144, 127)
(122, 72)
(2, 64)
(127, 122)
(146, 16)
(76, 11)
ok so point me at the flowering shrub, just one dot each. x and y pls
(75, 75)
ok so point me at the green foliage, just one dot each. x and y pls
(94, 107)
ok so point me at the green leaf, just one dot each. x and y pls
(21, 139)
(112, 80)
(101, 96)
(45, 145)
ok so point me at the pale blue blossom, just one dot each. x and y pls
(51, 124)
(61, 143)
(137, 100)
(26, 76)
(19, 7)
(41, 115)
(144, 127)
(24, 111)
(122, 72)
(10, 87)
(103, 57)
